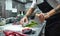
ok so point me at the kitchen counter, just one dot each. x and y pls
(38, 29)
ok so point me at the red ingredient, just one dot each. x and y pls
(11, 33)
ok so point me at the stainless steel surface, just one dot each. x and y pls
(19, 28)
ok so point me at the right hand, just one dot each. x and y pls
(43, 16)
(24, 20)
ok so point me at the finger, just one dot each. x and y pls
(26, 20)
(21, 22)
(41, 17)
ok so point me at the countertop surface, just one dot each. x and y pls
(38, 29)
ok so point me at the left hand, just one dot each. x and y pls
(24, 20)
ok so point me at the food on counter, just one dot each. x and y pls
(2, 23)
(10, 20)
(28, 31)
(32, 24)
(12, 33)
(33, 32)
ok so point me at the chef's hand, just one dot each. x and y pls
(24, 20)
(42, 16)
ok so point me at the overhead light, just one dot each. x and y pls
(22, 0)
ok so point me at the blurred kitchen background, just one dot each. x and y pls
(10, 8)
(13, 10)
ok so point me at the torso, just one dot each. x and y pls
(53, 23)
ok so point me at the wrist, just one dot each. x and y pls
(46, 15)
(32, 15)
(26, 16)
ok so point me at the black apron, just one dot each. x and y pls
(53, 23)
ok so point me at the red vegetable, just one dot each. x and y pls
(12, 33)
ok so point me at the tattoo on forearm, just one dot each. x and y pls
(30, 11)
(57, 10)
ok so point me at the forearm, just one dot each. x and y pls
(51, 13)
(54, 11)
(31, 9)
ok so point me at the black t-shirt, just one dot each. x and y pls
(45, 7)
